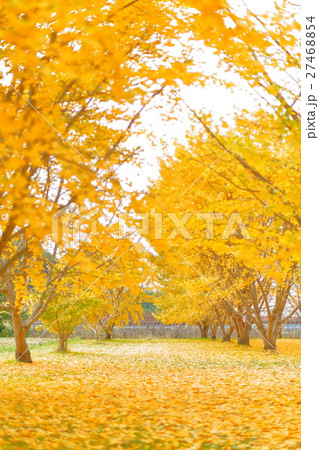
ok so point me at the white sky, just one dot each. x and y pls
(222, 102)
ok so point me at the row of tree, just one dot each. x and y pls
(235, 188)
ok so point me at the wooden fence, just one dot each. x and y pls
(158, 330)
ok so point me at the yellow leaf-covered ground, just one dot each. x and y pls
(151, 394)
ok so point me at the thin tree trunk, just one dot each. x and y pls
(241, 325)
(226, 335)
(213, 329)
(271, 335)
(22, 352)
(272, 332)
(63, 344)
(280, 334)
(221, 323)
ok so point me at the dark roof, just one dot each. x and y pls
(147, 319)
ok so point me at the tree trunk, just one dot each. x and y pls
(22, 352)
(272, 333)
(203, 330)
(63, 344)
(241, 325)
(226, 334)
(270, 344)
(213, 330)
(243, 332)
(280, 334)
(108, 332)
(243, 340)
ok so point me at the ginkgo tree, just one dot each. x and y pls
(66, 310)
(117, 298)
(116, 307)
